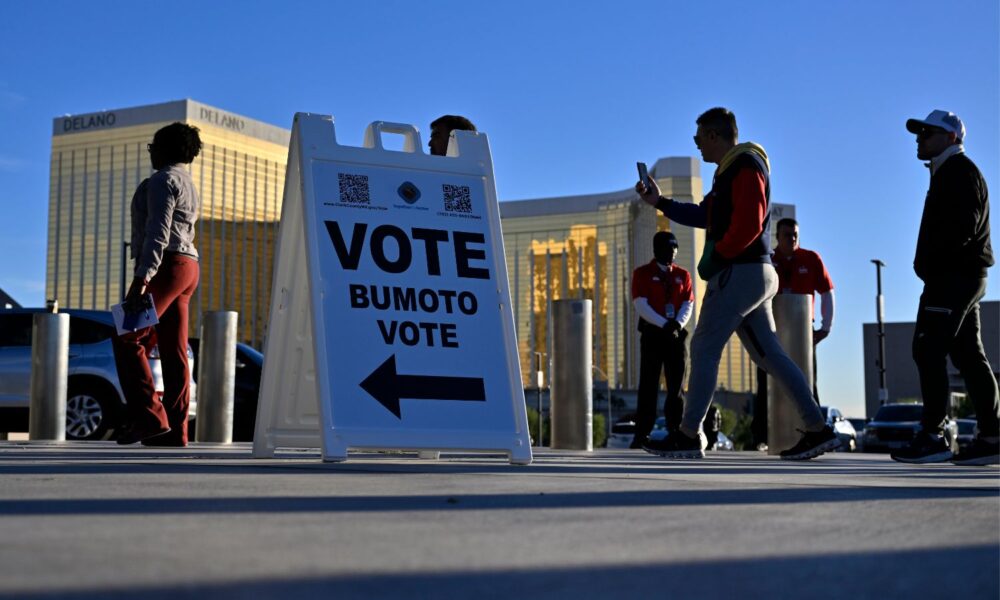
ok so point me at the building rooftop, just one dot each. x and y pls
(674, 166)
(176, 110)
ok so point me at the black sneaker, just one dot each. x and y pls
(812, 444)
(676, 445)
(925, 448)
(637, 442)
(979, 453)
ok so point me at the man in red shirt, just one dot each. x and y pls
(800, 271)
(664, 299)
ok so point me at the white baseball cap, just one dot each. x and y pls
(941, 119)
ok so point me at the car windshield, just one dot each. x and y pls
(826, 411)
(661, 423)
(900, 412)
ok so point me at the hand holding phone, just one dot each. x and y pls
(643, 173)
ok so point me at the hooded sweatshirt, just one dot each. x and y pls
(735, 213)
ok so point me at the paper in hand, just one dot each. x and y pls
(128, 321)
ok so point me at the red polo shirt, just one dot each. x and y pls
(659, 287)
(801, 273)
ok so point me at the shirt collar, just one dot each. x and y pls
(948, 152)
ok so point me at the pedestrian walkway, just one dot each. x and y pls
(94, 520)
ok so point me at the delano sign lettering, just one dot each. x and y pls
(391, 324)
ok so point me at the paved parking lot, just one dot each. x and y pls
(93, 520)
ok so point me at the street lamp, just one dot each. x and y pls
(607, 383)
(121, 272)
(883, 392)
(539, 381)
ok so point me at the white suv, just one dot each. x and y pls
(94, 399)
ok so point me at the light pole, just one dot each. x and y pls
(539, 380)
(607, 384)
(121, 273)
(883, 392)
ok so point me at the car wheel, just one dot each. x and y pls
(91, 411)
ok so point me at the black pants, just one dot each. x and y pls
(948, 325)
(758, 425)
(659, 352)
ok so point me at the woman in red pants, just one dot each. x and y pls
(164, 211)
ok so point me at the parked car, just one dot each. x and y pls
(859, 428)
(622, 433)
(895, 425)
(94, 399)
(842, 427)
(249, 364)
(967, 430)
(660, 431)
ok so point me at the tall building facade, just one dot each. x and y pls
(97, 161)
(587, 247)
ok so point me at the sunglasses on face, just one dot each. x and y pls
(929, 132)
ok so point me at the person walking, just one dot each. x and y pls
(164, 211)
(736, 263)
(800, 271)
(952, 257)
(664, 300)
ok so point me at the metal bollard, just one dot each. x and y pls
(793, 321)
(49, 369)
(572, 390)
(216, 377)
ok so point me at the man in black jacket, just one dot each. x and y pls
(953, 254)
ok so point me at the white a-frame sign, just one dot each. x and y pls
(391, 324)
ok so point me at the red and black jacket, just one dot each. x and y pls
(736, 213)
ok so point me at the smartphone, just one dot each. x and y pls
(643, 173)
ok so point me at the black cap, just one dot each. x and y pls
(665, 236)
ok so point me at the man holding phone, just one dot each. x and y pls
(736, 263)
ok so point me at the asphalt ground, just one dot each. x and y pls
(94, 520)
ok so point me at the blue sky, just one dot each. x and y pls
(571, 94)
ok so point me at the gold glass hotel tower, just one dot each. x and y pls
(99, 158)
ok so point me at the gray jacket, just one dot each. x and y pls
(164, 210)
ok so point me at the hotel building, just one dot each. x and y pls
(97, 161)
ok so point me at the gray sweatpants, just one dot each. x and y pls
(739, 300)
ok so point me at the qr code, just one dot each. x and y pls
(353, 188)
(456, 198)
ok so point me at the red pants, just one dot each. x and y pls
(172, 288)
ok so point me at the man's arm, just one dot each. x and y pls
(687, 306)
(826, 324)
(685, 213)
(959, 222)
(823, 285)
(647, 313)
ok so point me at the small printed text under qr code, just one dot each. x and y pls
(457, 198)
(353, 188)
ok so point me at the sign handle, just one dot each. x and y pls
(373, 135)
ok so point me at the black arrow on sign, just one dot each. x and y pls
(388, 387)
